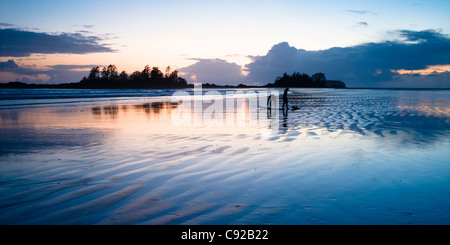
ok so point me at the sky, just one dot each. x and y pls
(395, 43)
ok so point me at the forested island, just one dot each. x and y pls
(146, 79)
(297, 80)
(109, 78)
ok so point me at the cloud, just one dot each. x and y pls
(4, 25)
(433, 80)
(422, 36)
(11, 66)
(216, 71)
(11, 71)
(361, 24)
(365, 65)
(68, 73)
(20, 43)
(359, 11)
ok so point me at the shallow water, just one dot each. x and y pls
(343, 157)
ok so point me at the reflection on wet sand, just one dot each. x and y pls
(152, 109)
(156, 107)
(417, 120)
(365, 114)
(428, 110)
(371, 116)
(184, 115)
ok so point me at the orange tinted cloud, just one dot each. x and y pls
(426, 71)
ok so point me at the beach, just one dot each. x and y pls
(340, 156)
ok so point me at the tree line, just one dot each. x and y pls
(109, 77)
(318, 80)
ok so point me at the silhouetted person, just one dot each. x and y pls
(285, 99)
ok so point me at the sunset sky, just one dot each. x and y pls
(363, 43)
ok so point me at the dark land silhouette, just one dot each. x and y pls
(298, 80)
(110, 78)
(153, 78)
(146, 79)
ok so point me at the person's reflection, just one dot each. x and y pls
(285, 99)
(285, 117)
(284, 123)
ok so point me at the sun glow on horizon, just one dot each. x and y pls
(427, 71)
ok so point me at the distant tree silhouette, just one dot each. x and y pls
(94, 74)
(113, 74)
(136, 76)
(167, 72)
(147, 78)
(146, 73)
(123, 76)
(109, 73)
(303, 80)
(156, 74)
(319, 77)
(105, 74)
(173, 76)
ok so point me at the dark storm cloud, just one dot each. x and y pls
(423, 36)
(20, 43)
(368, 65)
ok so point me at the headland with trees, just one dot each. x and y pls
(318, 80)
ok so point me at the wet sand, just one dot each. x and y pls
(343, 157)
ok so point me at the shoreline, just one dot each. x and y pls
(191, 86)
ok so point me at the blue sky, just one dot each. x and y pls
(218, 34)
